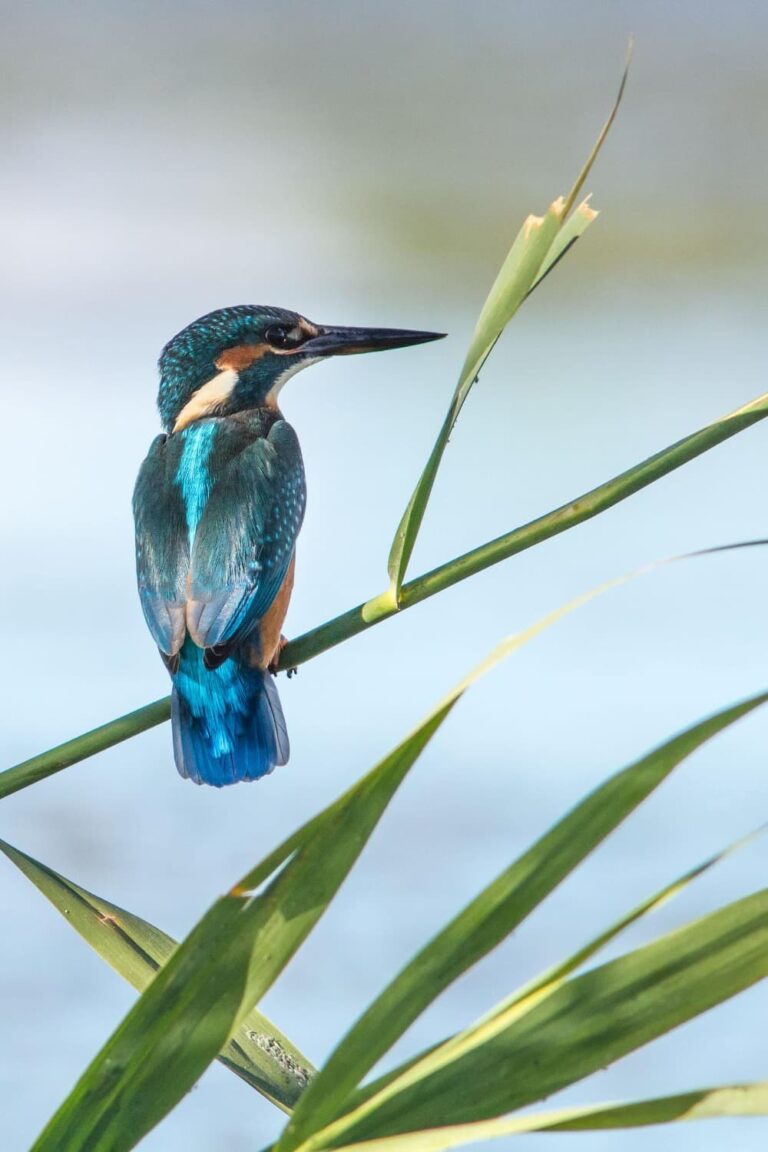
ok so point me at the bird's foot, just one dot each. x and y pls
(275, 661)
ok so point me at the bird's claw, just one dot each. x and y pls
(274, 663)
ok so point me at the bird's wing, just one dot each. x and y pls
(245, 539)
(162, 546)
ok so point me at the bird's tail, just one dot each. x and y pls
(227, 721)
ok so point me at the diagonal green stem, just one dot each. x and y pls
(536, 532)
(358, 619)
(72, 751)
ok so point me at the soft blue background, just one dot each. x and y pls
(369, 164)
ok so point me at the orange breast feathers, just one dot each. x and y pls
(271, 623)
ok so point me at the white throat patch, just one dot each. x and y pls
(208, 398)
(271, 397)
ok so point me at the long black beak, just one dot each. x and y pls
(345, 341)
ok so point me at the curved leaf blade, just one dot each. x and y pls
(525, 265)
(494, 913)
(699, 1104)
(587, 1023)
(258, 1052)
(197, 1000)
(555, 976)
(237, 950)
(539, 245)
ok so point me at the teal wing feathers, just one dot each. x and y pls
(245, 538)
(162, 546)
(217, 512)
(218, 507)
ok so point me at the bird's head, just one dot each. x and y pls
(239, 358)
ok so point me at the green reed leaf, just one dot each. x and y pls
(554, 1038)
(538, 246)
(258, 1052)
(205, 990)
(699, 1104)
(489, 919)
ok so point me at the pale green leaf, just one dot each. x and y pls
(574, 227)
(537, 248)
(522, 267)
(730, 1100)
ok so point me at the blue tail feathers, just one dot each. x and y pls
(227, 722)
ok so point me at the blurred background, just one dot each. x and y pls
(370, 164)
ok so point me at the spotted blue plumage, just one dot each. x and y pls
(222, 503)
(218, 505)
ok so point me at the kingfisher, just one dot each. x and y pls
(218, 505)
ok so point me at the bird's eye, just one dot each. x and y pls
(281, 337)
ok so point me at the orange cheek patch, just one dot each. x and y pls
(241, 356)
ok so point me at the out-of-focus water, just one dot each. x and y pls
(366, 167)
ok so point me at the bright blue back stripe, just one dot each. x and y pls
(192, 475)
